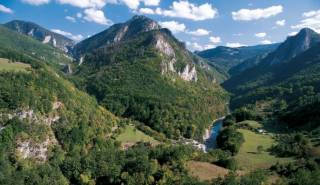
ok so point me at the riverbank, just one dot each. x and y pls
(212, 133)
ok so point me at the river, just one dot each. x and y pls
(211, 139)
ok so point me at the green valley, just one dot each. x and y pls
(132, 105)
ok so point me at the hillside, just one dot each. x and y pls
(289, 84)
(13, 44)
(152, 78)
(53, 133)
(41, 34)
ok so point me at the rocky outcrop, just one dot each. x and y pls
(189, 73)
(29, 149)
(121, 34)
(30, 116)
(46, 39)
(68, 69)
(81, 60)
(152, 26)
(163, 46)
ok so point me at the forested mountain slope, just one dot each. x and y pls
(13, 44)
(152, 78)
(41, 34)
(288, 85)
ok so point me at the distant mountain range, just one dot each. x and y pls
(136, 65)
(227, 58)
(41, 34)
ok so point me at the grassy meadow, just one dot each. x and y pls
(131, 135)
(6, 65)
(249, 158)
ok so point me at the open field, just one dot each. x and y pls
(248, 157)
(5, 65)
(131, 135)
(205, 171)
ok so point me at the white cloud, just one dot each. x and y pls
(261, 35)
(174, 26)
(5, 9)
(97, 16)
(85, 3)
(36, 2)
(187, 10)
(69, 18)
(134, 4)
(215, 40)
(199, 32)
(98, 4)
(255, 14)
(311, 13)
(266, 42)
(234, 45)
(151, 2)
(311, 20)
(292, 33)
(146, 11)
(196, 47)
(281, 22)
(209, 46)
(68, 34)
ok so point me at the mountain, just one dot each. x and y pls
(225, 58)
(53, 133)
(246, 64)
(116, 33)
(293, 46)
(148, 75)
(295, 80)
(41, 34)
(13, 43)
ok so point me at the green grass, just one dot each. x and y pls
(6, 65)
(132, 135)
(205, 171)
(249, 159)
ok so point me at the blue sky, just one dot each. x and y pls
(200, 23)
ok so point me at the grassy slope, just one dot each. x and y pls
(133, 135)
(5, 65)
(205, 171)
(248, 157)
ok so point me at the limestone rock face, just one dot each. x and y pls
(121, 34)
(36, 150)
(164, 47)
(189, 73)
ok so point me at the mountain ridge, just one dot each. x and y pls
(227, 58)
(149, 72)
(41, 34)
